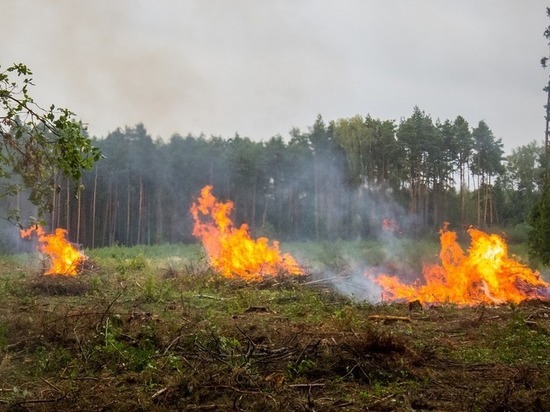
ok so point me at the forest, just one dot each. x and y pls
(340, 179)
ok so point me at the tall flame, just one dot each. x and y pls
(484, 274)
(231, 250)
(64, 257)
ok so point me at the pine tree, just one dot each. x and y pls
(539, 236)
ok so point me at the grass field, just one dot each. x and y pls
(154, 329)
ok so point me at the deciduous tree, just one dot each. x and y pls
(37, 144)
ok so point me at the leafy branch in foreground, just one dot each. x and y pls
(37, 144)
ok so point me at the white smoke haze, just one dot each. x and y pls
(11, 239)
(350, 266)
(356, 277)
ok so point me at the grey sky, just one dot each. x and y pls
(260, 68)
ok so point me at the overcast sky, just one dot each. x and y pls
(259, 68)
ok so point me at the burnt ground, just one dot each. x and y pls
(159, 340)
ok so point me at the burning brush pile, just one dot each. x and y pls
(483, 274)
(231, 250)
(63, 262)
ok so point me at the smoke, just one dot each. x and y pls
(351, 267)
(256, 69)
(10, 238)
(364, 231)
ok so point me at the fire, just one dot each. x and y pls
(484, 274)
(390, 226)
(231, 250)
(64, 257)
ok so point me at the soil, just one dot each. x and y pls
(282, 347)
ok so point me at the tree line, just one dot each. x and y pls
(337, 180)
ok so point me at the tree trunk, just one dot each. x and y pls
(114, 213)
(94, 199)
(78, 213)
(253, 211)
(68, 206)
(264, 214)
(105, 237)
(159, 220)
(128, 213)
(140, 209)
(55, 212)
(478, 203)
(316, 199)
(462, 194)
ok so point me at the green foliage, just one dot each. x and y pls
(519, 343)
(37, 143)
(518, 234)
(117, 350)
(133, 264)
(50, 360)
(539, 237)
(334, 181)
(303, 368)
(487, 160)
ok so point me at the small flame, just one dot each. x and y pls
(484, 274)
(231, 250)
(64, 257)
(390, 226)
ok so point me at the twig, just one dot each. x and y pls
(243, 391)
(81, 378)
(159, 392)
(481, 314)
(165, 352)
(312, 282)
(306, 385)
(301, 355)
(16, 345)
(275, 354)
(188, 363)
(213, 407)
(59, 398)
(214, 356)
(251, 345)
(53, 386)
(360, 368)
(382, 399)
(108, 308)
(208, 297)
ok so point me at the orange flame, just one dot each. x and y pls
(231, 250)
(64, 257)
(484, 274)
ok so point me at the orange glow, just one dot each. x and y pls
(64, 257)
(389, 226)
(231, 250)
(484, 274)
